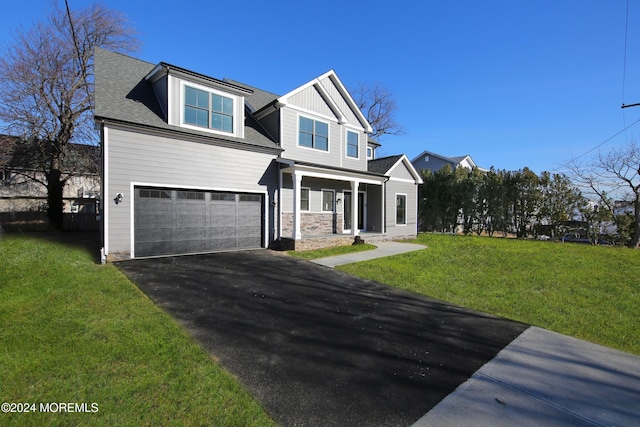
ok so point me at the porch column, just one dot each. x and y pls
(297, 181)
(354, 208)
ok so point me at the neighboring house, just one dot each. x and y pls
(622, 207)
(434, 162)
(23, 195)
(196, 164)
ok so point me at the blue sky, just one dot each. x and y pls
(513, 83)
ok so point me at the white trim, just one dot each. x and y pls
(333, 208)
(317, 172)
(395, 209)
(403, 159)
(238, 110)
(364, 211)
(407, 180)
(346, 144)
(315, 150)
(105, 189)
(370, 157)
(305, 111)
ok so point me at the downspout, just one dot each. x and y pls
(384, 203)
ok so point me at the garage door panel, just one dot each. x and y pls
(189, 233)
(222, 221)
(191, 221)
(179, 221)
(190, 246)
(219, 209)
(222, 244)
(154, 248)
(155, 234)
(150, 222)
(221, 232)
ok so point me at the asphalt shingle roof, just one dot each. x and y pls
(122, 94)
(383, 164)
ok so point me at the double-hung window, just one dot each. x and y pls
(401, 209)
(208, 109)
(352, 144)
(304, 199)
(328, 200)
(313, 134)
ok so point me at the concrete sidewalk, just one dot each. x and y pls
(546, 379)
(383, 249)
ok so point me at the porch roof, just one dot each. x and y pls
(331, 172)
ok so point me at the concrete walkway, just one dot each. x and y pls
(383, 249)
(546, 379)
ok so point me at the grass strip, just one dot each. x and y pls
(333, 251)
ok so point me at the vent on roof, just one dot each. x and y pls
(426, 158)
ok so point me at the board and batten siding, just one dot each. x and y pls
(342, 104)
(411, 190)
(162, 161)
(310, 99)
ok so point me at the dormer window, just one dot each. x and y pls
(208, 109)
(370, 153)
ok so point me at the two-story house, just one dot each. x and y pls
(194, 164)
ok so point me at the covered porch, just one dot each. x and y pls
(329, 203)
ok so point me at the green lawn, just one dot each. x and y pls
(75, 331)
(589, 292)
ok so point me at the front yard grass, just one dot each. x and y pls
(589, 292)
(75, 331)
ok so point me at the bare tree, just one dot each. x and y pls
(379, 107)
(615, 174)
(46, 91)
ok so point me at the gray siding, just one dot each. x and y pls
(311, 104)
(290, 140)
(271, 123)
(401, 171)
(411, 190)
(160, 88)
(310, 99)
(163, 161)
(335, 94)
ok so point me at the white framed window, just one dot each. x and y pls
(353, 146)
(304, 199)
(208, 109)
(328, 200)
(369, 153)
(401, 209)
(313, 134)
(211, 110)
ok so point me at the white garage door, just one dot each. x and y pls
(170, 221)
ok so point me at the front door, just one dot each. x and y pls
(347, 210)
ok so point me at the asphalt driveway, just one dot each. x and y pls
(320, 347)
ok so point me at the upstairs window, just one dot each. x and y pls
(369, 153)
(352, 144)
(208, 109)
(313, 134)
